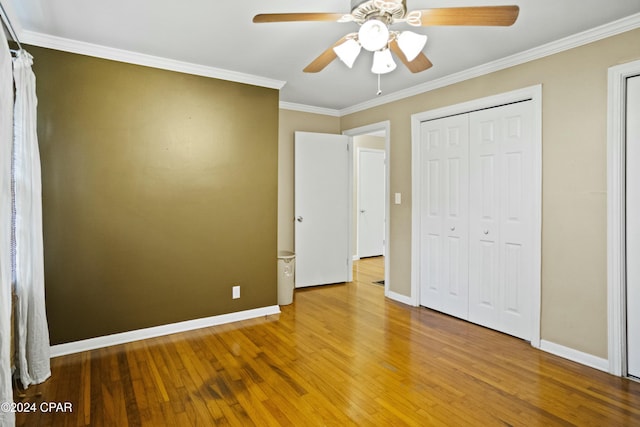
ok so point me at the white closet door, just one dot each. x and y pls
(444, 215)
(633, 226)
(501, 221)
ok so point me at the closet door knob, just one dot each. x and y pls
(453, 228)
(299, 219)
(486, 232)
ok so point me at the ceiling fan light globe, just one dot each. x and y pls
(373, 35)
(383, 62)
(411, 44)
(348, 52)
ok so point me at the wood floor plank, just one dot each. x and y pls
(339, 355)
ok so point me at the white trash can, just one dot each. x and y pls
(286, 271)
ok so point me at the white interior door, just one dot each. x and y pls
(371, 202)
(633, 225)
(444, 149)
(322, 194)
(501, 218)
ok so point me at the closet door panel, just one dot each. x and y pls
(517, 225)
(431, 281)
(444, 219)
(484, 242)
(501, 213)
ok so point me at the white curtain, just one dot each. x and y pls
(6, 139)
(32, 346)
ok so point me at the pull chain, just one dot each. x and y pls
(379, 92)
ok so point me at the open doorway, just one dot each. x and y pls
(369, 196)
(370, 231)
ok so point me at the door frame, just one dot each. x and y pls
(356, 226)
(364, 130)
(616, 226)
(531, 93)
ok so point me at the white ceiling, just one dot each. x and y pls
(221, 34)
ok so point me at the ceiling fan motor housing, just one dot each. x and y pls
(363, 10)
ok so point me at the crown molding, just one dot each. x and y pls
(608, 30)
(104, 52)
(598, 33)
(309, 109)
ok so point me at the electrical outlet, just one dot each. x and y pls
(235, 292)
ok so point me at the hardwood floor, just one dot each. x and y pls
(340, 355)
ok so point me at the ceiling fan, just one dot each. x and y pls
(376, 16)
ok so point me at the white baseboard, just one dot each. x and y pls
(575, 355)
(400, 298)
(157, 331)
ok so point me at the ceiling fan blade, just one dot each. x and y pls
(488, 15)
(420, 63)
(324, 58)
(293, 17)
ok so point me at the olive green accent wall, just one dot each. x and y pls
(574, 226)
(159, 194)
